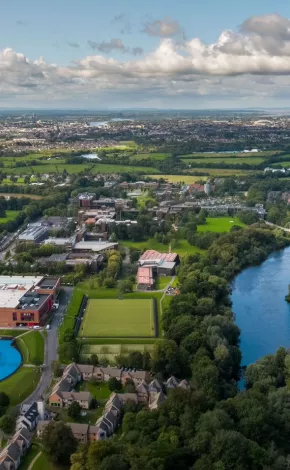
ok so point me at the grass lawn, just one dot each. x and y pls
(31, 346)
(30, 456)
(118, 318)
(163, 281)
(21, 384)
(100, 391)
(90, 418)
(41, 463)
(231, 161)
(186, 179)
(146, 156)
(8, 332)
(219, 224)
(182, 247)
(10, 215)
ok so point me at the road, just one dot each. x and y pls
(277, 226)
(51, 347)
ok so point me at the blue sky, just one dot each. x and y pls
(65, 33)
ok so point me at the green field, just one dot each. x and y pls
(219, 171)
(264, 153)
(186, 179)
(118, 318)
(10, 215)
(219, 224)
(77, 168)
(31, 346)
(21, 384)
(231, 161)
(110, 351)
(146, 156)
(182, 247)
(10, 332)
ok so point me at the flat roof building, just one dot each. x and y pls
(27, 299)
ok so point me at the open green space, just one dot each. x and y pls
(263, 153)
(41, 463)
(163, 281)
(77, 168)
(231, 161)
(111, 350)
(118, 318)
(100, 391)
(186, 179)
(219, 171)
(10, 332)
(10, 216)
(31, 346)
(181, 247)
(146, 156)
(21, 384)
(219, 224)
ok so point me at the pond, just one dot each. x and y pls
(10, 358)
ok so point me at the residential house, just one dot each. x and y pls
(11, 455)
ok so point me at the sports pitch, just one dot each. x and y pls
(119, 318)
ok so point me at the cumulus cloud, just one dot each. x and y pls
(162, 28)
(251, 63)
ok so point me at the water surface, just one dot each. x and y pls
(259, 304)
(10, 358)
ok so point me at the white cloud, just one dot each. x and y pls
(252, 64)
(162, 28)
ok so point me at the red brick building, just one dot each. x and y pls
(26, 300)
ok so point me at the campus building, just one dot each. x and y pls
(152, 264)
(26, 299)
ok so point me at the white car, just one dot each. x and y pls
(37, 327)
(48, 327)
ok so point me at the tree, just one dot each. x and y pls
(74, 410)
(56, 368)
(4, 399)
(114, 384)
(59, 442)
(94, 360)
(7, 423)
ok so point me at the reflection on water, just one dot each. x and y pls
(260, 308)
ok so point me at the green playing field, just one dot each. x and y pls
(119, 318)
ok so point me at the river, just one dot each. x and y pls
(259, 304)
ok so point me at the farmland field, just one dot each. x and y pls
(145, 156)
(186, 179)
(264, 153)
(77, 168)
(231, 161)
(118, 318)
(219, 171)
(219, 224)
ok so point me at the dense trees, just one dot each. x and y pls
(210, 426)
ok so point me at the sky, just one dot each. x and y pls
(155, 54)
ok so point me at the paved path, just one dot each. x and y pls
(34, 460)
(277, 226)
(50, 352)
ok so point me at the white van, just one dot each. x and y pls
(48, 327)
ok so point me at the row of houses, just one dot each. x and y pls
(63, 393)
(16, 448)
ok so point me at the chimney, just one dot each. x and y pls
(41, 409)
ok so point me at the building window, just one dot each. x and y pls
(14, 316)
(27, 316)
